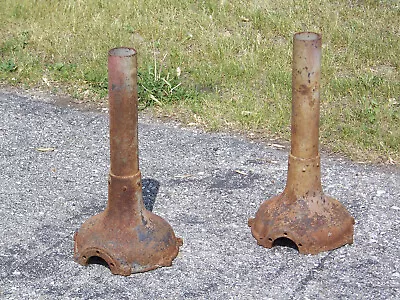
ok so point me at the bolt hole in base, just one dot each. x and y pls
(285, 242)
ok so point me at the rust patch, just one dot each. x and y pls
(304, 89)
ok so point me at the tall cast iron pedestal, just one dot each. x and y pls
(302, 212)
(128, 237)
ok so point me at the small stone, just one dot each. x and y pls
(380, 193)
(395, 207)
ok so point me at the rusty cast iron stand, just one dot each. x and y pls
(128, 237)
(302, 213)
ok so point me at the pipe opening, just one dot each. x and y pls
(307, 36)
(285, 242)
(122, 52)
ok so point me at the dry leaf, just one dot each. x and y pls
(241, 172)
(45, 149)
(246, 113)
(278, 146)
(183, 176)
(390, 161)
(46, 81)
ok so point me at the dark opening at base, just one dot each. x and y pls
(96, 260)
(285, 242)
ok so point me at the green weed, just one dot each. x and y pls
(158, 86)
(8, 66)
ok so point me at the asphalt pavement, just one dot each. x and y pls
(54, 160)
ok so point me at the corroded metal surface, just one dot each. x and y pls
(128, 237)
(302, 213)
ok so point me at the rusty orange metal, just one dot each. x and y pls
(302, 212)
(128, 237)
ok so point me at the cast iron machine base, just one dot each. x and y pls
(128, 237)
(302, 213)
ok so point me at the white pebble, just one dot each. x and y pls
(380, 193)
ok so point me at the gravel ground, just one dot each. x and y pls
(205, 185)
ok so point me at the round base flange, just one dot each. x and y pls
(315, 224)
(145, 244)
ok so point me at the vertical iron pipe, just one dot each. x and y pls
(123, 101)
(304, 173)
(306, 71)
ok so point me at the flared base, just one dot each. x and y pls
(127, 247)
(315, 224)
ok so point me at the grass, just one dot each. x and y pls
(225, 65)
